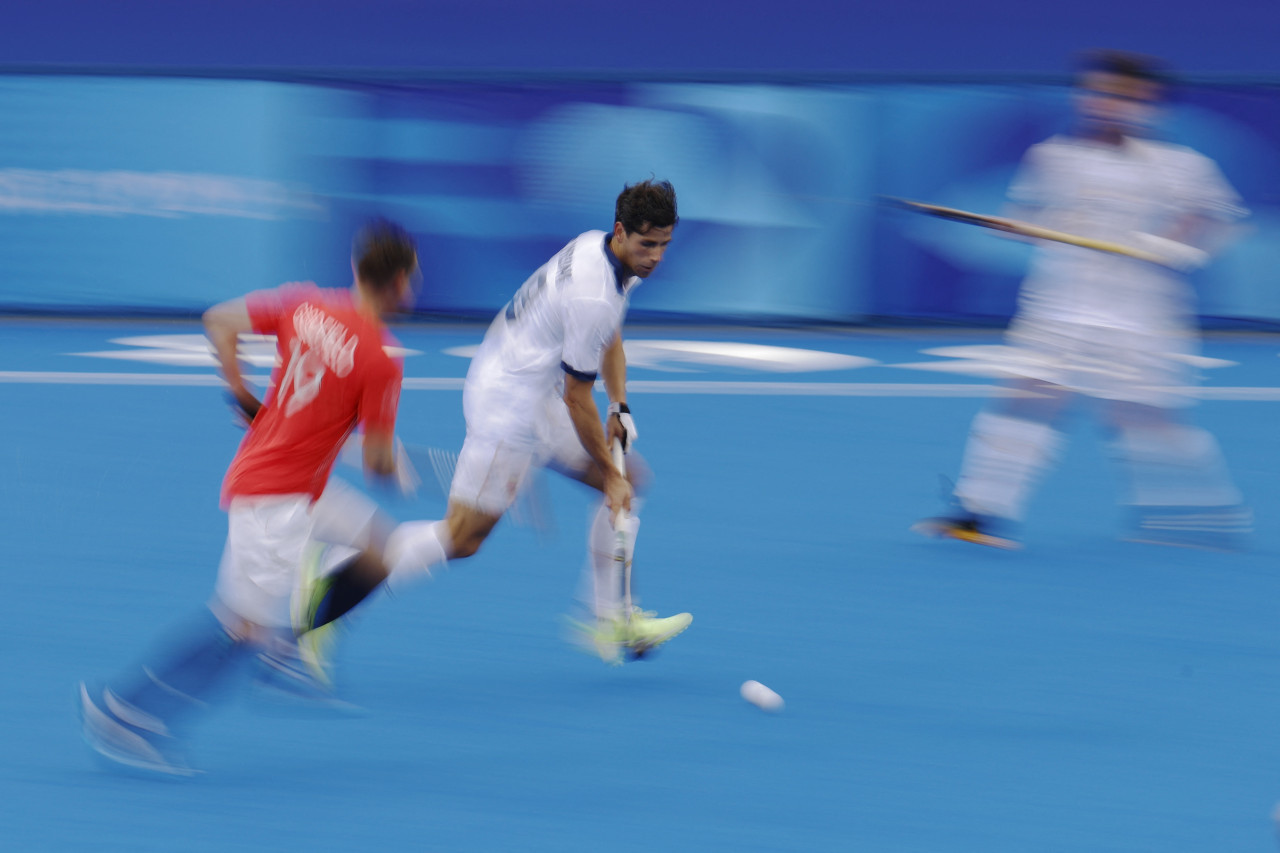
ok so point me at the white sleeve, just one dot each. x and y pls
(589, 326)
(1201, 187)
(1032, 185)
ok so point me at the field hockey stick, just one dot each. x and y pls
(242, 413)
(1026, 229)
(621, 530)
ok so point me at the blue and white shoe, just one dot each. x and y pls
(140, 743)
(1214, 528)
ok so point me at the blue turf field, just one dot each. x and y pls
(1081, 695)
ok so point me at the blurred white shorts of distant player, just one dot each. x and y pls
(1150, 368)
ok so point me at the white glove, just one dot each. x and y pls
(1182, 257)
(629, 433)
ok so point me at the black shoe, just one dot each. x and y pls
(967, 527)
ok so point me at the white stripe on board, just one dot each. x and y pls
(815, 389)
(51, 377)
(643, 386)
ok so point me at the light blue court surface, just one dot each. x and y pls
(1084, 694)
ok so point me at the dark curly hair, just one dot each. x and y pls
(648, 204)
(1124, 64)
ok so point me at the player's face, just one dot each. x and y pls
(407, 291)
(1113, 103)
(641, 251)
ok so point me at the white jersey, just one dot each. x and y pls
(1108, 192)
(560, 321)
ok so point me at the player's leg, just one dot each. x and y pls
(562, 452)
(345, 524)
(136, 719)
(1180, 491)
(1014, 441)
(612, 632)
(603, 575)
(488, 475)
(352, 532)
(1011, 445)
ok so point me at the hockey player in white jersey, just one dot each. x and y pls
(1109, 327)
(529, 402)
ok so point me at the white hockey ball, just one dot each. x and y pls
(760, 696)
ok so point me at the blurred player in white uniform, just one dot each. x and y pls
(529, 403)
(1118, 330)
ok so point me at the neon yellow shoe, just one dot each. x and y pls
(316, 649)
(645, 631)
(602, 637)
(616, 640)
(315, 646)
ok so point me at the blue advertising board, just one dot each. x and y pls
(162, 195)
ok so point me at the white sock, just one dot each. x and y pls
(414, 547)
(1003, 460)
(604, 576)
(1175, 465)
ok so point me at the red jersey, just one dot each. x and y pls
(332, 375)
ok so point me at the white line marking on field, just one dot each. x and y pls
(642, 386)
(696, 356)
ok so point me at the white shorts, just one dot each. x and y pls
(492, 467)
(1150, 368)
(266, 537)
(266, 540)
(344, 516)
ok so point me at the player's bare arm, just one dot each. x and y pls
(379, 453)
(223, 325)
(579, 398)
(613, 370)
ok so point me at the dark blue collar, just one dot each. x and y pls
(620, 272)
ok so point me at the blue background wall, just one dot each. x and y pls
(757, 37)
(159, 156)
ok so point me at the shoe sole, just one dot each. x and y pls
(99, 729)
(937, 530)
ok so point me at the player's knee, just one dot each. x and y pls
(468, 528)
(467, 545)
